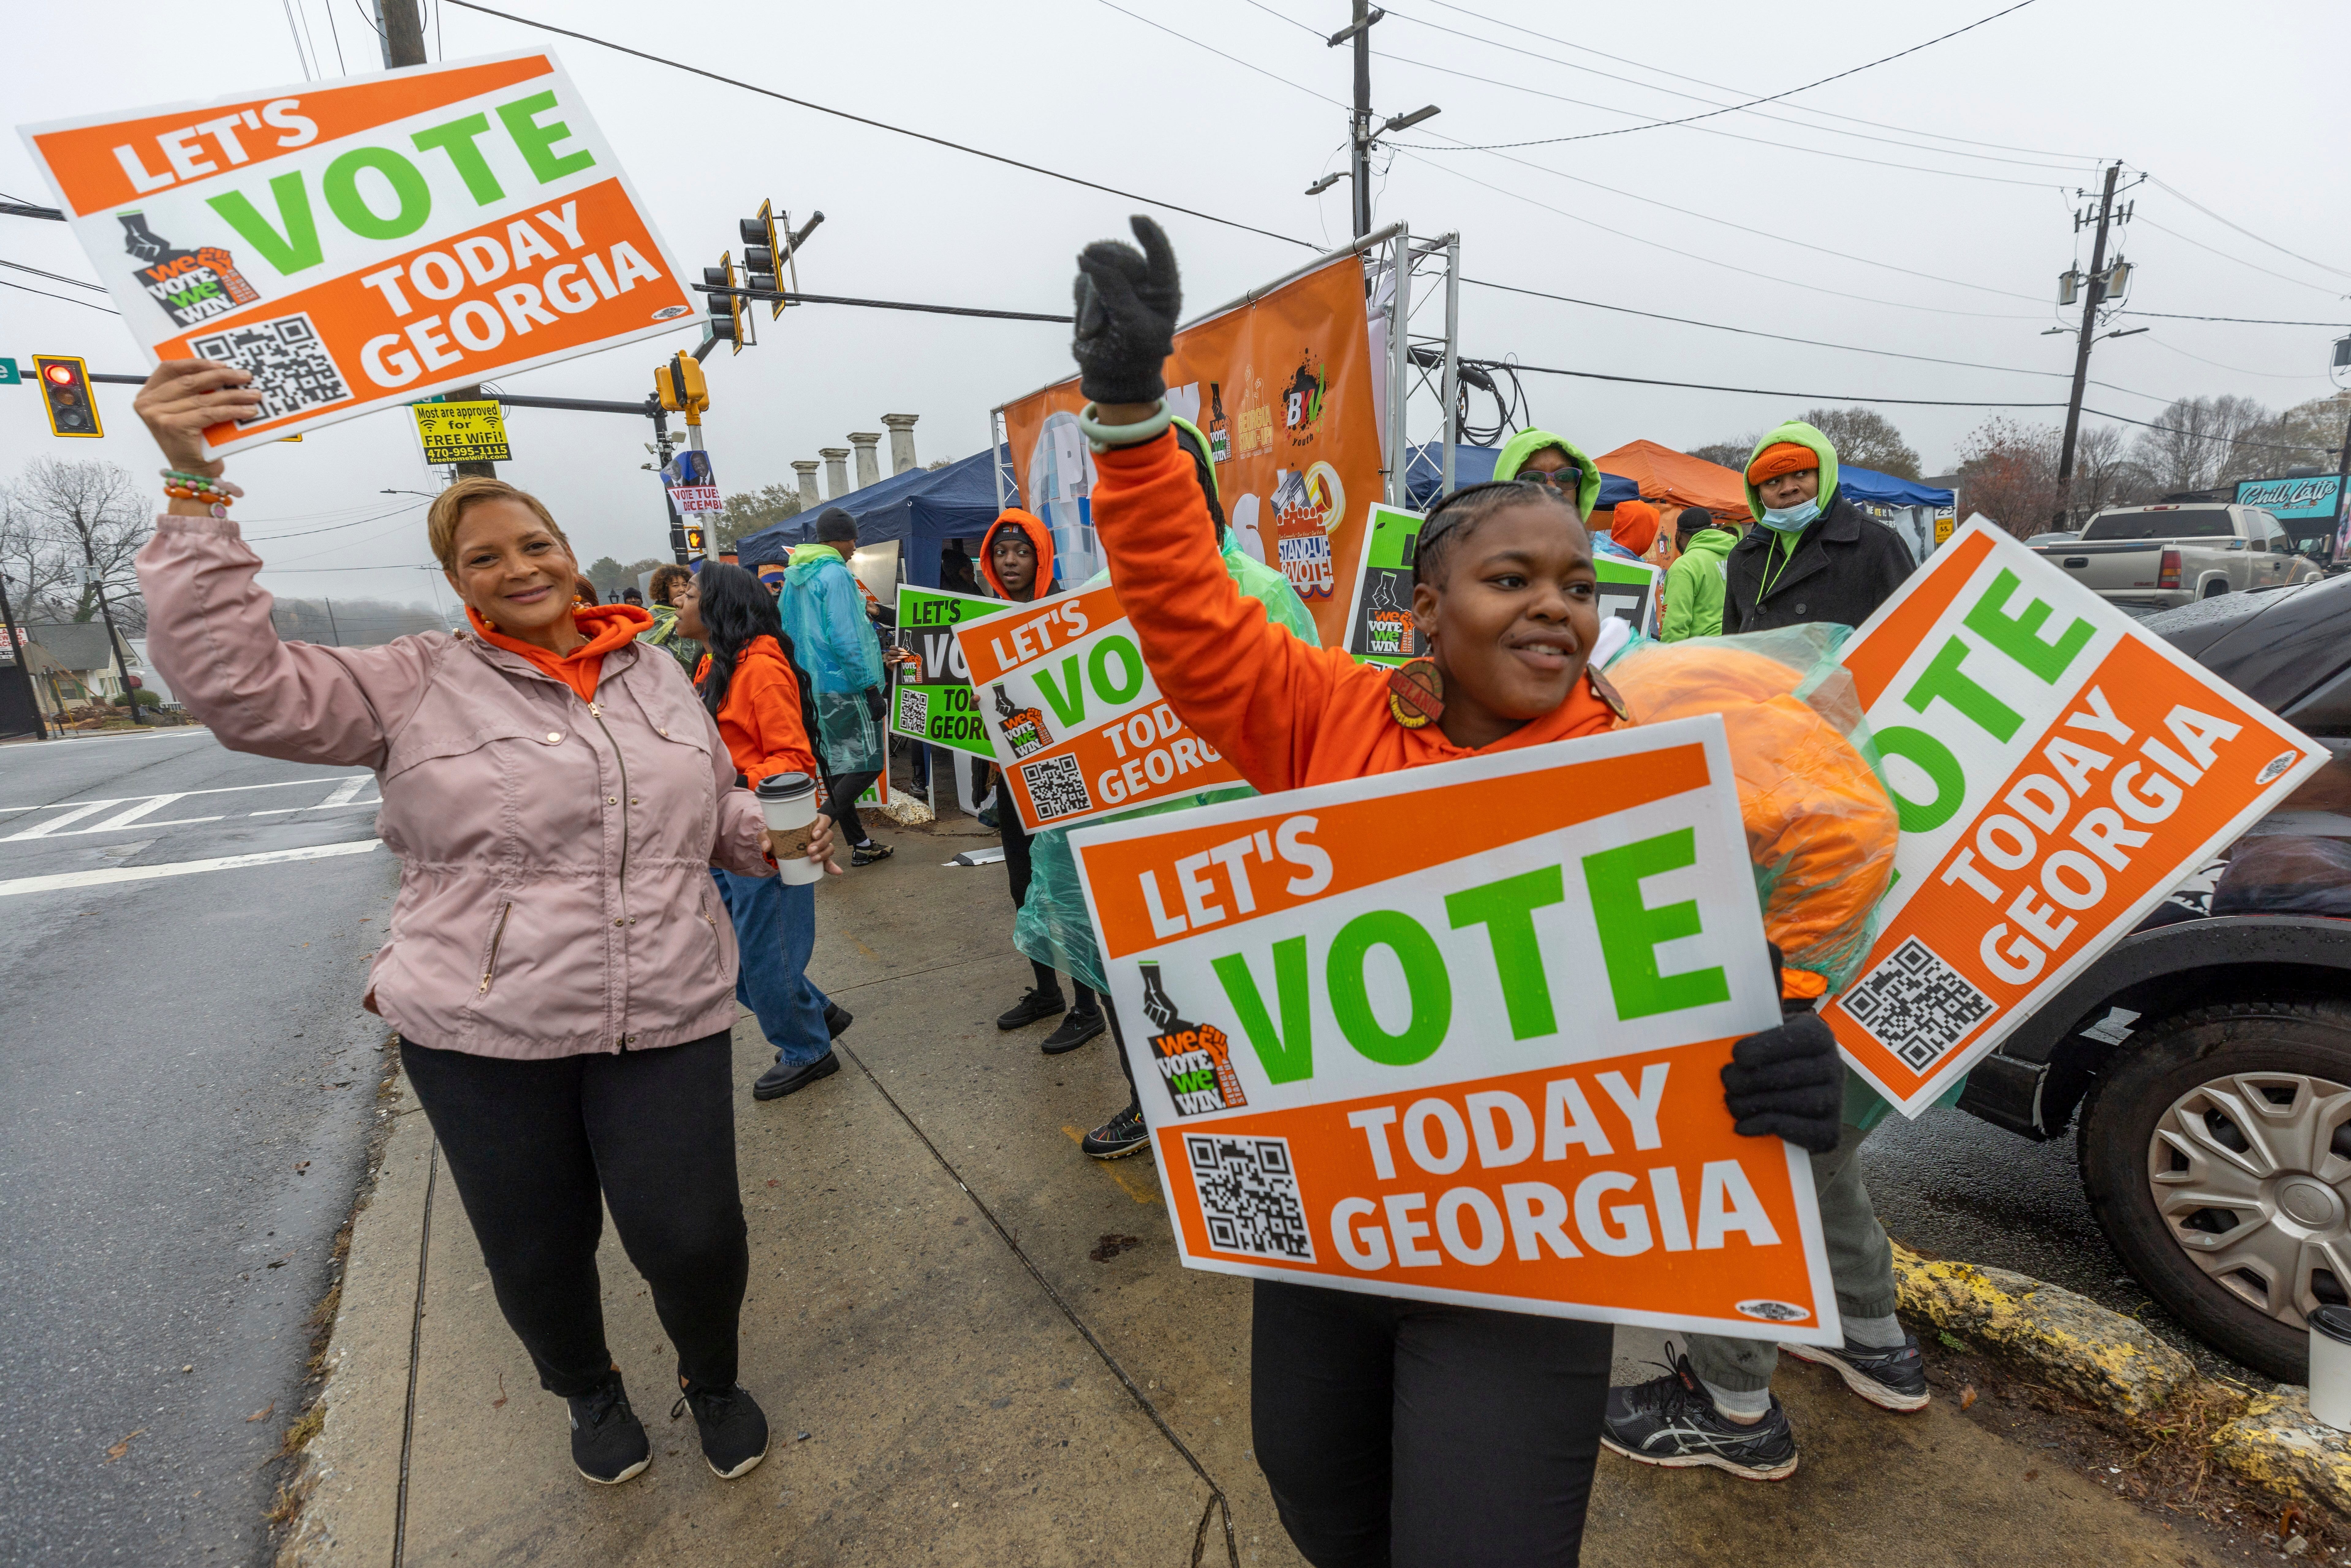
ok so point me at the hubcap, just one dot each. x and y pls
(2253, 1175)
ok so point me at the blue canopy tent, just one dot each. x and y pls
(1424, 474)
(1909, 508)
(923, 509)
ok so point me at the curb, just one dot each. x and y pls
(2114, 1363)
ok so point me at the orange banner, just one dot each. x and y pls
(1457, 1034)
(2057, 770)
(368, 243)
(1282, 389)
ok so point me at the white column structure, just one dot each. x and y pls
(810, 498)
(836, 471)
(901, 427)
(869, 464)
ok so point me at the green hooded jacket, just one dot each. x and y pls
(1052, 927)
(1527, 443)
(1694, 587)
(1804, 435)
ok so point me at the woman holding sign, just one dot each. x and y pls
(561, 980)
(1393, 1430)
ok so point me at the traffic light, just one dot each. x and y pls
(65, 390)
(685, 543)
(765, 238)
(727, 311)
(681, 387)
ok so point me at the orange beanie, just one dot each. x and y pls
(1781, 457)
(1635, 528)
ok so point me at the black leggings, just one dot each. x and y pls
(1015, 840)
(1413, 1434)
(538, 1148)
(841, 805)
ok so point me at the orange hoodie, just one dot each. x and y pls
(761, 718)
(606, 627)
(1041, 539)
(1287, 714)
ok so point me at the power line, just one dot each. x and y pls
(1753, 103)
(2240, 261)
(880, 124)
(2248, 233)
(1758, 392)
(54, 276)
(2202, 435)
(2266, 375)
(86, 304)
(1220, 54)
(2241, 321)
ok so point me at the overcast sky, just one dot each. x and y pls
(2242, 111)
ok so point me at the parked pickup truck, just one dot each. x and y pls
(2158, 557)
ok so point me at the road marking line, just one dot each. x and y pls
(330, 806)
(345, 788)
(178, 868)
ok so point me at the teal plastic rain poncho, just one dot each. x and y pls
(1052, 927)
(836, 645)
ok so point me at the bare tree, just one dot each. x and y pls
(1866, 439)
(1732, 454)
(2105, 474)
(351, 622)
(2197, 446)
(2008, 471)
(65, 521)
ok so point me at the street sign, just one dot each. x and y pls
(461, 431)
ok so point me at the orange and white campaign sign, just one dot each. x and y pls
(2057, 770)
(1077, 723)
(366, 242)
(1456, 1034)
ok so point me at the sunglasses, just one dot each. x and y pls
(1564, 480)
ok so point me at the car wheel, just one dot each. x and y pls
(2216, 1149)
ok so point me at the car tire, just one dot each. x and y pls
(2169, 1090)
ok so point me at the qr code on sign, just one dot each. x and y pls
(1057, 786)
(1916, 1005)
(291, 368)
(913, 711)
(1248, 1196)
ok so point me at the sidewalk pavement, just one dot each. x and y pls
(953, 1374)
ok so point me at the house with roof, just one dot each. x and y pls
(72, 664)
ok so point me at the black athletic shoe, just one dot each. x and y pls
(608, 1441)
(869, 852)
(1035, 1004)
(1672, 1421)
(1075, 1030)
(733, 1429)
(1892, 1379)
(780, 1080)
(1120, 1136)
(836, 1020)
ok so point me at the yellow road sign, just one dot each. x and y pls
(462, 432)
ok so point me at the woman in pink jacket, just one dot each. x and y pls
(556, 964)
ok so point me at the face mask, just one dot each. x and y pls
(1791, 519)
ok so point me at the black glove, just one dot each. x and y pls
(874, 707)
(1127, 302)
(1787, 1081)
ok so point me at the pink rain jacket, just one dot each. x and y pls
(555, 895)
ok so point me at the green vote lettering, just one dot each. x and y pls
(1630, 931)
(457, 140)
(1431, 988)
(1286, 1054)
(1068, 703)
(538, 142)
(340, 187)
(1130, 663)
(1934, 759)
(2019, 637)
(1943, 678)
(1506, 909)
(290, 252)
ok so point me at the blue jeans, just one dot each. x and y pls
(775, 927)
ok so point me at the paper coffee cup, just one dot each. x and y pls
(787, 803)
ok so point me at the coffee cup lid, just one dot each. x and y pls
(785, 787)
(2334, 1323)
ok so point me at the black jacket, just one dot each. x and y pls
(1845, 566)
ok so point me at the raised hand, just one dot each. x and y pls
(183, 398)
(1127, 303)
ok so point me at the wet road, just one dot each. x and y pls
(186, 1086)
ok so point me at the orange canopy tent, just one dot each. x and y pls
(1672, 480)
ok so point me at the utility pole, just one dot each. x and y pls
(2092, 290)
(403, 45)
(106, 613)
(1359, 124)
(23, 659)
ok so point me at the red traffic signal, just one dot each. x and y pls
(64, 393)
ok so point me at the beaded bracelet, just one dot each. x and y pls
(219, 495)
(1102, 437)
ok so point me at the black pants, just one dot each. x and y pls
(538, 1148)
(1015, 840)
(1414, 1434)
(840, 804)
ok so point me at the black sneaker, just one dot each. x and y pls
(869, 852)
(608, 1441)
(733, 1429)
(1075, 1030)
(1035, 1004)
(1120, 1136)
(1892, 1379)
(1672, 1421)
(780, 1080)
(836, 1020)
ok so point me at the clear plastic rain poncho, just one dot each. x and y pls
(835, 643)
(1052, 927)
(1821, 829)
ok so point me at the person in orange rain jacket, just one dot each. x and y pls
(1635, 530)
(1396, 1431)
(748, 681)
(1016, 558)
